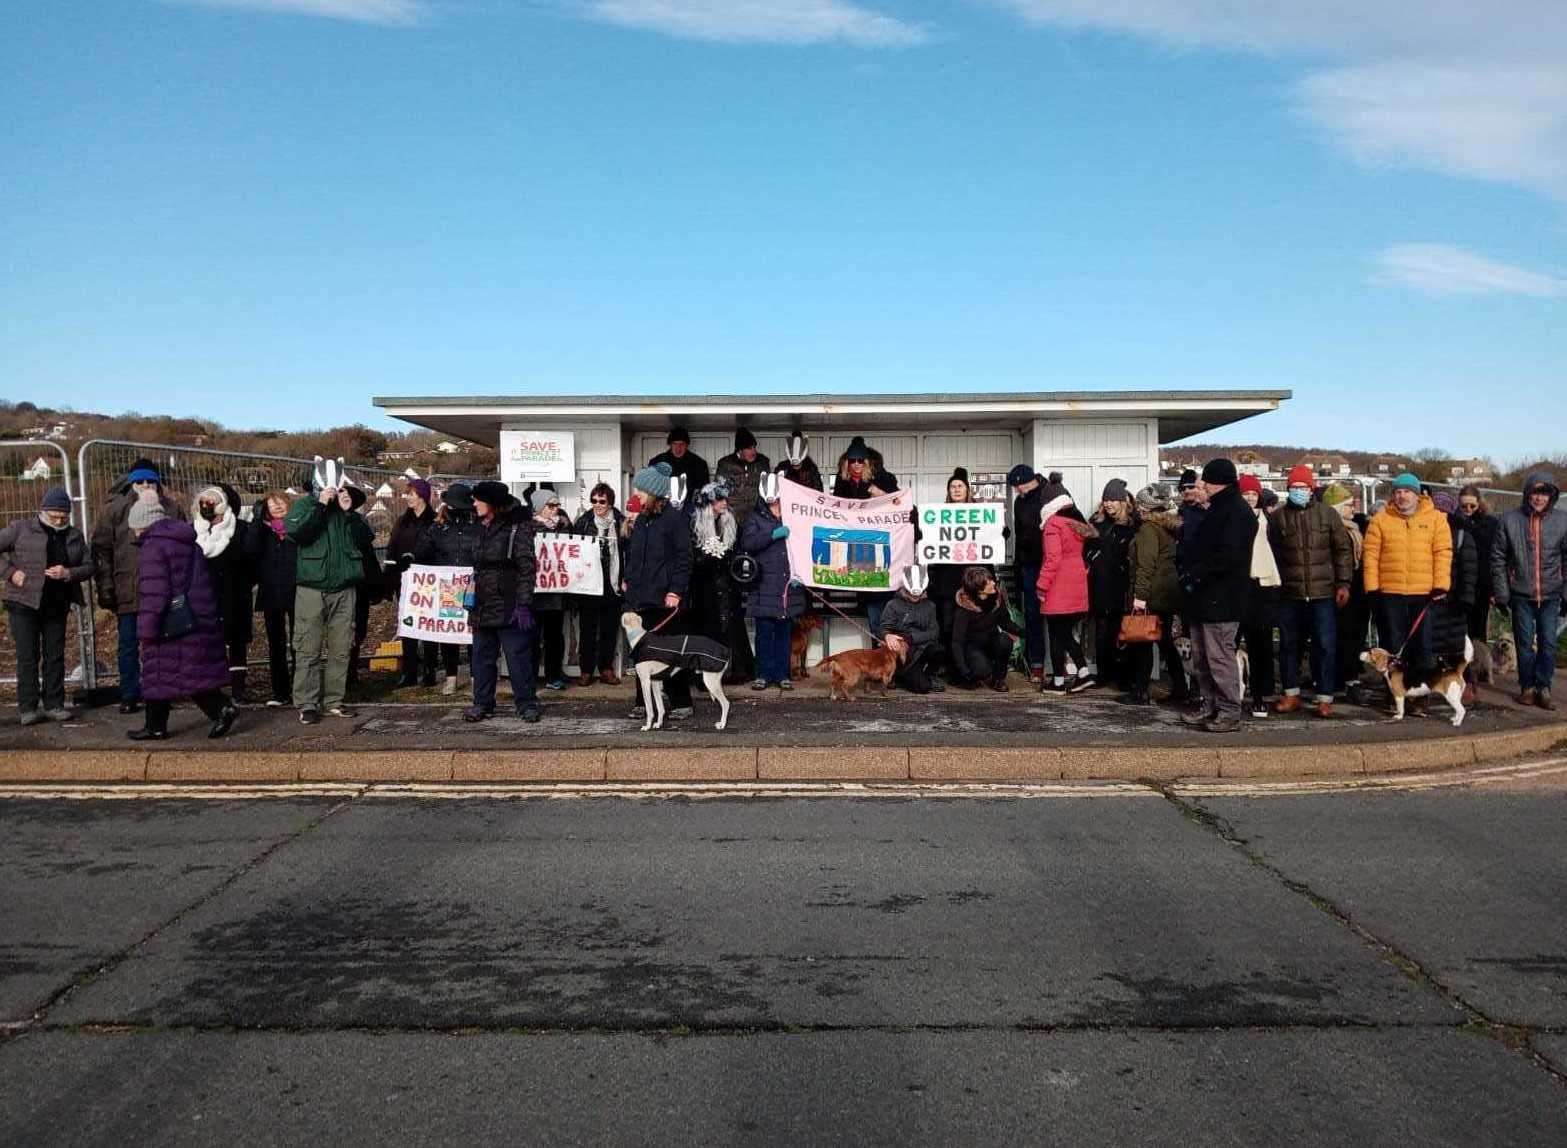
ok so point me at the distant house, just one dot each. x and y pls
(1328, 465)
(1250, 462)
(1470, 470)
(38, 472)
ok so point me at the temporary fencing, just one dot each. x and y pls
(29, 468)
(103, 464)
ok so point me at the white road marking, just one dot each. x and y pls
(739, 790)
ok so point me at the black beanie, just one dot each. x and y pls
(744, 439)
(679, 434)
(1220, 472)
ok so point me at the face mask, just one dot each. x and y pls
(1299, 497)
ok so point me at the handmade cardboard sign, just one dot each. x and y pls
(962, 532)
(844, 543)
(431, 607)
(567, 564)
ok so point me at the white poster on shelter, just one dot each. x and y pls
(538, 456)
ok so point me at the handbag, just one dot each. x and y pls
(1139, 628)
(178, 618)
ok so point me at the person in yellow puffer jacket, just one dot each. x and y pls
(1408, 565)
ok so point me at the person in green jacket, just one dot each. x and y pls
(329, 572)
(1155, 588)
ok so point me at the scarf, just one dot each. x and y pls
(214, 537)
(1264, 570)
(608, 546)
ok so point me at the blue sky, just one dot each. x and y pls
(266, 211)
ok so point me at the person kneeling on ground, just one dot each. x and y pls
(982, 632)
(910, 619)
(501, 615)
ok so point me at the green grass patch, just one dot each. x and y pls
(852, 579)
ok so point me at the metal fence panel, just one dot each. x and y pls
(29, 468)
(102, 465)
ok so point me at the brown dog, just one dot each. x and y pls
(1447, 680)
(854, 666)
(800, 642)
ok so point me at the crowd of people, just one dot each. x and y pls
(1268, 601)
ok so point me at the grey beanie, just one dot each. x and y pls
(1115, 491)
(145, 513)
(653, 480)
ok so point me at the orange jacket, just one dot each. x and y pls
(1411, 555)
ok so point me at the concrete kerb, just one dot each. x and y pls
(778, 763)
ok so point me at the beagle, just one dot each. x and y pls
(1447, 680)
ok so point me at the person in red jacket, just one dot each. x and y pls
(1063, 587)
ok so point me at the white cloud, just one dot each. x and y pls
(1438, 269)
(1465, 87)
(760, 21)
(394, 12)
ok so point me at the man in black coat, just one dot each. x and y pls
(1217, 580)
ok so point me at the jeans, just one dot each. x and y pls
(1534, 625)
(598, 634)
(1317, 619)
(129, 659)
(323, 643)
(489, 642)
(1218, 673)
(1033, 620)
(40, 652)
(1396, 614)
(772, 649)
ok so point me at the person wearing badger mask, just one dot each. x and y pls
(909, 627)
(799, 466)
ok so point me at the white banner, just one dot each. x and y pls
(538, 456)
(967, 533)
(431, 605)
(567, 564)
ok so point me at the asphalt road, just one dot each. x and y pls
(1139, 967)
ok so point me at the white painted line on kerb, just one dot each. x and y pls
(743, 790)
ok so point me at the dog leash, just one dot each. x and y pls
(812, 592)
(1398, 658)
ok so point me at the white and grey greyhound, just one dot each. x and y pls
(656, 656)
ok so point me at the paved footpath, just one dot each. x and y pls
(1095, 964)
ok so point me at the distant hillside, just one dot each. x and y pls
(396, 450)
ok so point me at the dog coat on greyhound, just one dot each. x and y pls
(690, 652)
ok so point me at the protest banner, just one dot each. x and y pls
(844, 543)
(538, 456)
(567, 564)
(962, 532)
(431, 605)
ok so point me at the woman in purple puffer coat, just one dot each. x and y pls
(195, 665)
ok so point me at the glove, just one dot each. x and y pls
(780, 532)
(1341, 597)
(522, 618)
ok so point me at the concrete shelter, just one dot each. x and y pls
(1090, 436)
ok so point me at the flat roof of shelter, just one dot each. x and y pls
(1181, 413)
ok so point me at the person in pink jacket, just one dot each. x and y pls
(1063, 587)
